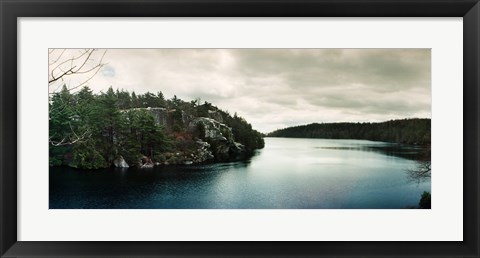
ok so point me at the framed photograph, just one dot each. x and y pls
(226, 128)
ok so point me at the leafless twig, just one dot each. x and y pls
(422, 172)
(78, 68)
(82, 66)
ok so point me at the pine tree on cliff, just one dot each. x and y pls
(108, 117)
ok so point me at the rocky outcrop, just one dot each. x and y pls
(161, 115)
(119, 162)
(203, 153)
(220, 138)
(199, 154)
(203, 139)
(213, 114)
(164, 117)
(145, 162)
(210, 129)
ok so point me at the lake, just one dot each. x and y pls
(289, 173)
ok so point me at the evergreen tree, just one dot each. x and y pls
(61, 125)
(161, 99)
(90, 130)
(124, 100)
(135, 101)
(105, 119)
(406, 131)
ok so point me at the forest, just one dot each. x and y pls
(415, 131)
(91, 131)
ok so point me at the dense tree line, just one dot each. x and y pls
(406, 131)
(242, 130)
(88, 130)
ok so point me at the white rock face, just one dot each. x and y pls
(219, 136)
(160, 115)
(213, 129)
(215, 115)
(146, 162)
(120, 162)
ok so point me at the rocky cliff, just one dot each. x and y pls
(122, 129)
(220, 138)
(203, 139)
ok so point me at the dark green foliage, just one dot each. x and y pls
(91, 130)
(84, 107)
(57, 154)
(202, 110)
(146, 100)
(62, 117)
(135, 101)
(63, 124)
(176, 106)
(244, 132)
(124, 100)
(149, 100)
(406, 131)
(108, 117)
(86, 156)
(425, 201)
(142, 130)
(241, 129)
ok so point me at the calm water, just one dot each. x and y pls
(287, 173)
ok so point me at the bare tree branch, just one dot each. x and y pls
(58, 58)
(422, 172)
(80, 68)
(71, 60)
(70, 140)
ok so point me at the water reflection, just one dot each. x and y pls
(402, 151)
(287, 174)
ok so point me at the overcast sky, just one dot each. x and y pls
(277, 88)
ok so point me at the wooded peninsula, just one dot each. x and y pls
(122, 129)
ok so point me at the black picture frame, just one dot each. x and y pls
(10, 10)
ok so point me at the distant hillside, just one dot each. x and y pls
(407, 131)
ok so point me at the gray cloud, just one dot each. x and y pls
(108, 71)
(275, 88)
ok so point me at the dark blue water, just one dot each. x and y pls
(286, 174)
